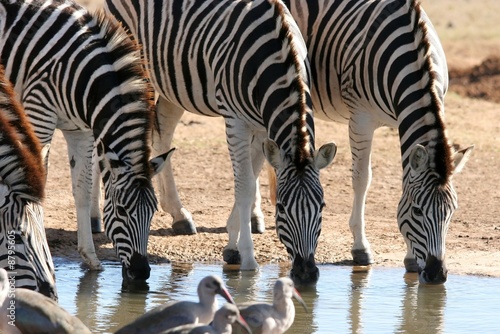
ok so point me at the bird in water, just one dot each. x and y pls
(224, 318)
(33, 312)
(275, 318)
(179, 313)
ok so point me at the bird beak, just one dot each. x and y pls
(297, 296)
(226, 295)
(243, 324)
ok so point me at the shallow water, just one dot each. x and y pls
(345, 300)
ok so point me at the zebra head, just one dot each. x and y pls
(299, 205)
(25, 251)
(425, 210)
(129, 206)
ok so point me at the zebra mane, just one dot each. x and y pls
(21, 165)
(302, 144)
(131, 64)
(438, 147)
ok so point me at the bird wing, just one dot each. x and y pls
(191, 329)
(36, 313)
(161, 318)
(255, 315)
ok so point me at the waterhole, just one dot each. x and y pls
(345, 300)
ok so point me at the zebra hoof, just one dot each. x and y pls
(96, 226)
(184, 227)
(361, 257)
(258, 226)
(231, 256)
(411, 265)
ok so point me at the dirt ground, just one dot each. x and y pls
(205, 182)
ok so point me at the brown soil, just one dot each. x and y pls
(205, 183)
(481, 81)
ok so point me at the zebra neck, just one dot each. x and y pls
(426, 127)
(295, 136)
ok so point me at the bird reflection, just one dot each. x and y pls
(423, 307)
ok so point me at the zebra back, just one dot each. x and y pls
(202, 61)
(383, 57)
(22, 234)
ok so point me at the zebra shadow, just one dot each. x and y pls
(200, 229)
(64, 244)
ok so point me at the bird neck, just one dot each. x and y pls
(207, 300)
(284, 306)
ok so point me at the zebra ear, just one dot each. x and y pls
(460, 158)
(272, 153)
(419, 158)
(158, 163)
(324, 156)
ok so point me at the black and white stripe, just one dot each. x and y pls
(377, 63)
(245, 61)
(80, 72)
(24, 251)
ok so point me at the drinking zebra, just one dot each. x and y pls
(80, 72)
(245, 61)
(377, 63)
(24, 252)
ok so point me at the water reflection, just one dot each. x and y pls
(89, 283)
(243, 285)
(423, 307)
(305, 321)
(345, 300)
(359, 280)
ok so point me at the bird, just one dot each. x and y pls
(28, 311)
(275, 318)
(224, 318)
(179, 313)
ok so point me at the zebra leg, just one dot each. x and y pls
(230, 254)
(410, 262)
(361, 137)
(95, 208)
(80, 147)
(239, 142)
(257, 219)
(168, 115)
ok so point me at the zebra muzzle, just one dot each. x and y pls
(304, 272)
(435, 271)
(138, 269)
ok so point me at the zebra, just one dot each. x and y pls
(80, 72)
(380, 63)
(24, 251)
(244, 61)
